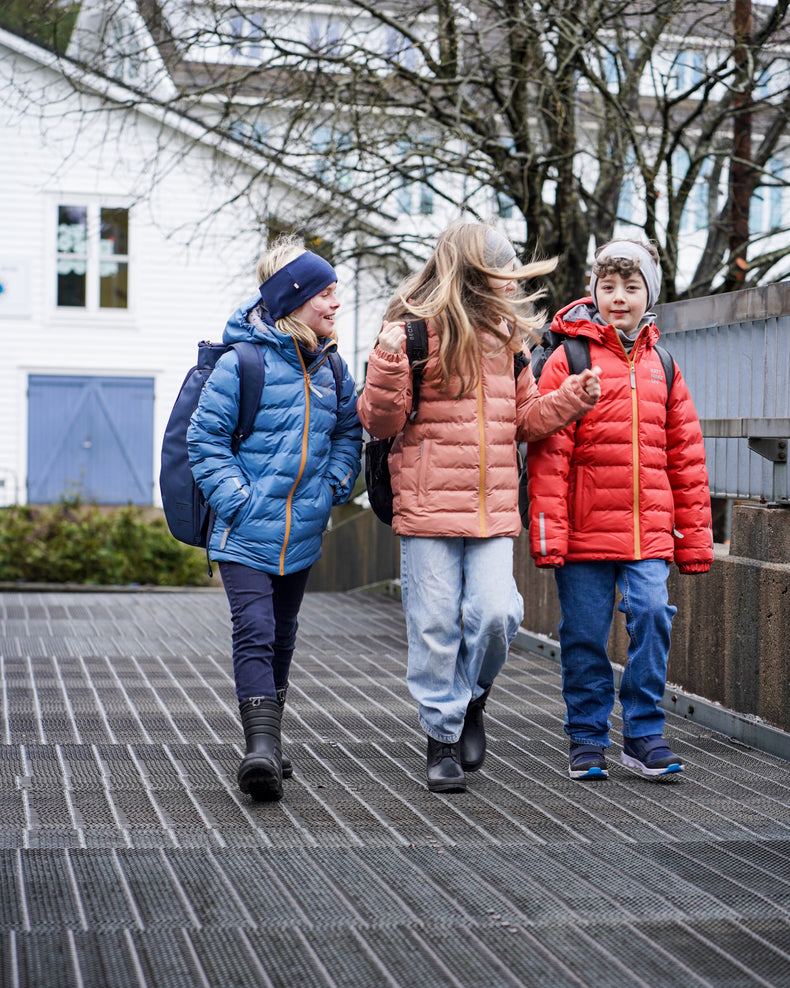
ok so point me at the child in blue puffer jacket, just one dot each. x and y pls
(273, 497)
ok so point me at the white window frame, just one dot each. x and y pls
(93, 206)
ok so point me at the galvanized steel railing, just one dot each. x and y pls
(734, 353)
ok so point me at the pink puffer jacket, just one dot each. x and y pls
(454, 469)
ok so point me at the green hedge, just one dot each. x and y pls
(71, 542)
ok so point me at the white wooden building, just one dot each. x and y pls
(120, 248)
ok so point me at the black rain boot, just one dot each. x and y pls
(444, 767)
(260, 773)
(473, 736)
(288, 769)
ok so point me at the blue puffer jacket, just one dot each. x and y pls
(274, 497)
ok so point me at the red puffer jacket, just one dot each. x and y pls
(629, 480)
(454, 469)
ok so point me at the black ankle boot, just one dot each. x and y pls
(444, 767)
(288, 769)
(260, 773)
(473, 736)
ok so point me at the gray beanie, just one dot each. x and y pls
(499, 250)
(648, 267)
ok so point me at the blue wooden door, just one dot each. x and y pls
(90, 437)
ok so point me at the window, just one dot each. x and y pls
(246, 35)
(413, 197)
(400, 49)
(331, 160)
(504, 205)
(626, 205)
(766, 210)
(255, 134)
(93, 257)
(323, 36)
(689, 70)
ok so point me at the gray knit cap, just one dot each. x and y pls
(648, 267)
(499, 250)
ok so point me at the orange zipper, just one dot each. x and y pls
(302, 462)
(482, 439)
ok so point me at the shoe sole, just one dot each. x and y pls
(589, 773)
(472, 766)
(649, 773)
(447, 786)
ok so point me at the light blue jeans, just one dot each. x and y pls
(587, 593)
(462, 612)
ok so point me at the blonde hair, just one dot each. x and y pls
(286, 248)
(452, 290)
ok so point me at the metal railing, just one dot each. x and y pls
(768, 438)
(734, 353)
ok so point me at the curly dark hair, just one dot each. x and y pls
(624, 266)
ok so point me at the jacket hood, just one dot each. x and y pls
(582, 318)
(252, 322)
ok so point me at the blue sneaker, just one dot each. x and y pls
(586, 761)
(650, 756)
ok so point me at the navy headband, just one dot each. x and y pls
(295, 283)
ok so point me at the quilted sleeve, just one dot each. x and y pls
(541, 412)
(346, 440)
(385, 402)
(688, 478)
(548, 466)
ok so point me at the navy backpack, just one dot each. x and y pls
(188, 515)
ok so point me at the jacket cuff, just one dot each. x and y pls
(552, 561)
(690, 568)
(386, 355)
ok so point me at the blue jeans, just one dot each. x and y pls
(263, 608)
(462, 612)
(587, 593)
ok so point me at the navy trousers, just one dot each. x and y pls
(264, 609)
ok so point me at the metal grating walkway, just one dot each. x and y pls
(128, 858)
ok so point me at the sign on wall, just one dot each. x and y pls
(15, 299)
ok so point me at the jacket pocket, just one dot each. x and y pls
(421, 464)
(575, 499)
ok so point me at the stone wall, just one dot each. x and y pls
(731, 635)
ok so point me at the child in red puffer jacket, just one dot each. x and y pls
(614, 499)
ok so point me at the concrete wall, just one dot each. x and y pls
(731, 636)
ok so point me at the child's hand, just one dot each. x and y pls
(591, 382)
(392, 337)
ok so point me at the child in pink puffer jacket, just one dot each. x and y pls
(455, 476)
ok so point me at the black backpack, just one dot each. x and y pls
(187, 513)
(377, 451)
(577, 352)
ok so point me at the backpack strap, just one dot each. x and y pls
(417, 352)
(336, 364)
(668, 363)
(520, 361)
(251, 375)
(577, 352)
